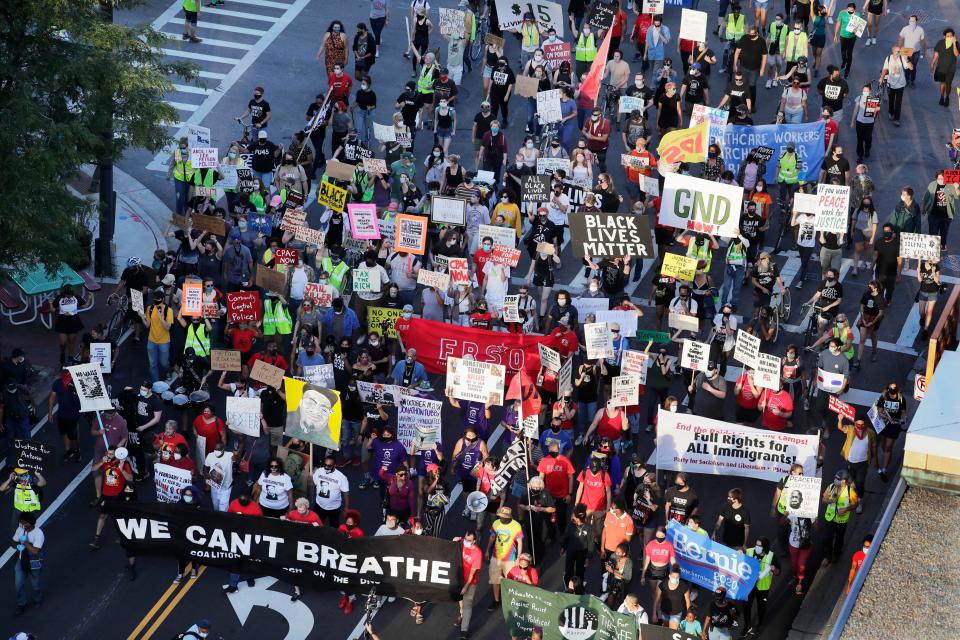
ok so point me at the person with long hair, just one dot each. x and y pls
(943, 64)
(333, 47)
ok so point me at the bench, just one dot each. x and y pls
(89, 282)
(10, 301)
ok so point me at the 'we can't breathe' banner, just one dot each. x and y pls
(807, 139)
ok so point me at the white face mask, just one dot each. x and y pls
(467, 543)
(904, 198)
(638, 83)
(418, 532)
(758, 550)
(673, 408)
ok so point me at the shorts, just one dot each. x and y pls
(106, 502)
(540, 281)
(487, 71)
(444, 133)
(761, 4)
(892, 431)
(191, 17)
(674, 618)
(830, 259)
(68, 427)
(858, 235)
(876, 325)
(875, 9)
(499, 569)
(927, 297)
(818, 41)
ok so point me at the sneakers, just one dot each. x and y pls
(799, 285)
(195, 39)
(493, 606)
(365, 483)
(230, 589)
(348, 608)
(649, 428)
(193, 574)
(883, 475)
(856, 365)
(95, 543)
(769, 84)
(178, 579)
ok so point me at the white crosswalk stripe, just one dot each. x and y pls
(237, 38)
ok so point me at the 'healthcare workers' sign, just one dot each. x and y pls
(807, 140)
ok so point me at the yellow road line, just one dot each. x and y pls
(187, 585)
(156, 607)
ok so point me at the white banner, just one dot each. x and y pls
(549, 358)
(91, 390)
(418, 422)
(625, 391)
(243, 415)
(585, 306)
(548, 14)
(920, 246)
(691, 443)
(634, 363)
(170, 482)
(747, 349)
(833, 201)
(474, 380)
(597, 337)
(701, 206)
(565, 382)
(695, 355)
(803, 496)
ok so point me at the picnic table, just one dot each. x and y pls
(35, 287)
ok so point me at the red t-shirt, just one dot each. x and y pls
(479, 259)
(619, 22)
(568, 341)
(186, 462)
(167, 445)
(252, 508)
(858, 559)
(310, 518)
(556, 474)
(113, 478)
(209, 430)
(356, 532)
(745, 398)
(472, 559)
(633, 175)
(242, 339)
(830, 129)
(783, 401)
(660, 553)
(594, 489)
(526, 576)
(277, 360)
(566, 423)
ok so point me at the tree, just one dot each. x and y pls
(63, 69)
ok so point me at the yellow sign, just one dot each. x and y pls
(383, 320)
(685, 145)
(332, 196)
(680, 267)
(314, 414)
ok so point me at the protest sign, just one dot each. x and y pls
(527, 86)
(433, 279)
(504, 236)
(625, 391)
(649, 185)
(321, 294)
(504, 255)
(513, 461)
(411, 234)
(192, 298)
(805, 203)
(383, 319)
(856, 25)
(339, 170)
(565, 376)
(695, 355)
(212, 224)
(243, 415)
(840, 407)
(807, 139)
(597, 337)
(314, 414)
(197, 136)
(245, 183)
(417, 420)
(446, 210)
(203, 157)
(495, 40)
(330, 195)
(310, 236)
(767, 373)
(830, 382)
(29, 454)
(627, 319)
(271, 279)
(650, 335)
(687, 442)
(634, 363)
(459, 271)
(684, 145)
(878, 419)
(549, 358)
(267, 373)
(548, 14)
(320, 375)
(710, 564)
(170, 481)
(563, 616)
(747, 348)
(656, 632)
(421, 568)
(91, 390)
(384, 132)
(102, 354)
(693, 25)
(293, 218)
(920, 246)
(548, 106)
(452, 21)
(375, 166)
(628, 104)
(511, 308)
(224, 360)
(556, 54)
(803, 496)
(654, 7)
(549, 165)
(602, 15)
(535, 188)
(701, 206)
(385, 394)
(298, 466)
(717, 118)
(366, 280)
(683, 322)
(634, 162)
(833, 201)
(474, 380)
(678, 266)
(286, 257)
(363, 221)
(586, 306)
(136, 301)
(211, 310)
(228, 173)
(600, 235)
(951, 176)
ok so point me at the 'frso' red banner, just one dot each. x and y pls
(437, 341)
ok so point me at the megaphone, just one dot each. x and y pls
(121, 453)
(477, 501)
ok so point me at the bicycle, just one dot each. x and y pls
(244, 141)
(483, 27)
(781, 303)
(611, 104)
(119, 323)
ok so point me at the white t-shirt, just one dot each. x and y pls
(35, 537)
(497, 280)
(896, 72)
(859, 449)
(912, 37)
(221, 469)
(554, 214)
(330, 488)
(806, 234)
(384, 530)
(378, 274)
(273, 490)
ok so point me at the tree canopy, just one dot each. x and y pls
(64, 71)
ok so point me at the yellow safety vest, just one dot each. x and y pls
(425, 81)
(788, 169)
(586, 49)
(337, 273)
(795, 47)
(702, 253)
(531, 35)
(764, 583)
(276, 318)
(204, 177)
(182, 169)
(735, 28)
(198, 339)
(25, 499)
(843, 501)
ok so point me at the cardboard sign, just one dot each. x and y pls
(364, 224)
(375, 166)
(601, 235)
(504, 236)
(833, 202)
(445, 210)
(29, 454)
(411, 234)
(535, 188)
(102, 354)
(267, 374)
(767, 373)
(136, 301)
(192, 299)
(625, 391)
(340, 170)
(546, 248)
(213, 224)
(599, 342)
(683, 322)
(556, 54)
(293, 218)
(224, 360)
(747, 349)
(475, 381)
(634, 364)
(321, 294)
(452, 21)
(527, 86)
(679, 267)
(365, 282)
(649, 185)
(270, 279)
(504, 255)
(695, 355)
(384, 320)
(203, 157)
(286, 257)
(384, 132)
(693, 25)
(243, 415)
(459, 272)
(511, 309)
(856, 25)
(549, 358)
(920, 246)
(548, 106)
(433, 279)
(205, 192)
(602, 15)
(496, 41)
(701, 206)
(840, 407)
(330, 195)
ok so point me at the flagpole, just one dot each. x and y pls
(526, 466)
(103, 431)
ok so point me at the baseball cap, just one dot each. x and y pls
(169, 279)
(262, 134)
(408, 307)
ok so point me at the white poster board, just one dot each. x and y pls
(747, 348)
(627, 320)
(695, 355)
(101, 353)
(243, 415)
(418, 421)
(702, 206)
(549, 358)
(624, 391)
(597, 337)
(475, 380)
(548, 106)
(170, 481)
(91, 390)
(693, 25)
(634, 363)
(833, 201)
(767, 373)
(919, 246)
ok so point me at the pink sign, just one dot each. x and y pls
(363, 221)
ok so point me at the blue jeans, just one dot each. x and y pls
(20, 578)
(911, 74)
(349, 447)
(585, 414)
(363, 123)
(158, 355)
(181, 190)
(17, 428)
(732, 278)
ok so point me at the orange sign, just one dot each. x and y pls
(411, 234)
(192, 299)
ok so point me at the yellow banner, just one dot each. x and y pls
(332, 196)
(383, 319)
(685, 145)
(680, 267)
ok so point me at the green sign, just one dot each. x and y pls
(562, 616)
(649, 335)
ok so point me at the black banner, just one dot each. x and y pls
(29, 454)
(656, 632)
(602, 15)
(578, 195)
(419, 568)
(602, 235)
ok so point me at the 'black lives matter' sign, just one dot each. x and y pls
(535, 188)
(601, 235)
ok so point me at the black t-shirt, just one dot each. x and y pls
(258, 110)
(146, 407)
(364, 46)
(542, 232)
(610, 200)
(137, 278)
(750, 226)
(262, 155)
(766, 278)
(723, 616)
(887, 254)
(366, 99)
(410, 103)
(673, 601)
(940, 201)
(273, 407)
(483, 123)
(612, 279)
(831, 240)
(502, 79)
(444, 90)
(833, 92)
(695, 87)
(835, 168)
(738, 94)
(682, 503)
(664, 289)
(752, 51)
(830, 293)
(872, 304)
(735, 521)
(644, 92)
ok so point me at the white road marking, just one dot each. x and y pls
(180, 53)
(226, 44)
(216, 26)
(186, 88)
(911, 328)
(210, 75)
(243, 15)
(183, 106)
(264, 3)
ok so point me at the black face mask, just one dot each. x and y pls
(244, 500)
(594, 466)
(554, 454)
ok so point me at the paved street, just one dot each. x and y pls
(273, 44)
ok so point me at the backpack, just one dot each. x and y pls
(187, 634)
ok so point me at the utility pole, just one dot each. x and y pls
(103, 252)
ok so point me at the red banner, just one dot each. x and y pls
(244, 306)
(437, 341)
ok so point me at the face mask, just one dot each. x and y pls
(351, 527)
(386, 437)
(177, 456)
(638, 83)
(791, 356)
(186, 497)
(887, 235)
(487, 247)
(674, 581)
(494, 130)
(244, 500)
(144, 393)
(712, 154)
(831, 281)
(554, 144)
(759, 188)
(796, 29)
(758, 550)
(436, 154)
(506, 520)
(242, 226)
(336, 29)
(594, 288)
(538, 56)
(562, 302)
(865, 92)
(406, 316)
(468, 543)
(835, 350)
(554, 454)
(660, 539)
(672, 408)
(595, 117)
(594, 466)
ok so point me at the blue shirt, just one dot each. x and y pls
(656, 51)
(350, 322)
(237, 261)
(305, 360)
(419, 373)
(562, 438)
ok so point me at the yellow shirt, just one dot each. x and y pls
(158, 334)
(511, 215)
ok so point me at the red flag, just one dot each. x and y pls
(590, 85)
(522, 388)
